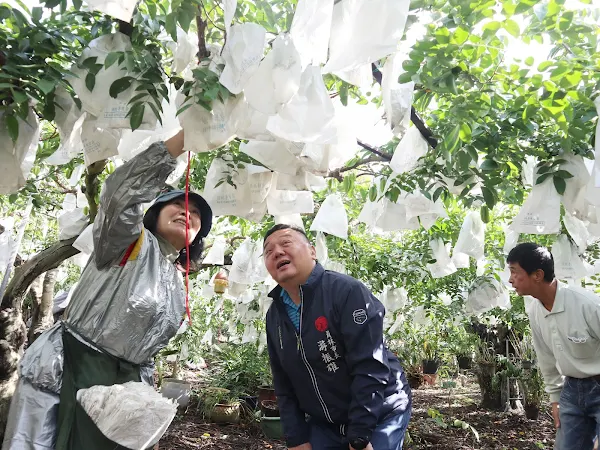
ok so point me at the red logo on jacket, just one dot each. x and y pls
(321, 323)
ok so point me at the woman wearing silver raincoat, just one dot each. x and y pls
(129, 302)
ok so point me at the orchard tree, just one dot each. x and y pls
(481, 110)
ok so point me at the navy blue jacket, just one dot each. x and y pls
(337, 369)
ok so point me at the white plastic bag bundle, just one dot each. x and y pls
(69, 119)
(216, 254)
(397, 98)
(242, 53)
(428, 211)
(308, 116)
(354, 41)
(289, 219)
(577, 230)
(76, 175)
(511, 238)
(119, 9)
(471, 237)
(223, 198)
(486, 295)
(393, 217)
(393, 299)
(332, 217)
(461, 260)
(250, 334)
(85, 242)
(321, 247)
(71, 223)
(250, 123)
(282, 203)
(443, 265)
(361, 76)
(397, 324)
(567, 262)
(277, 79)
(70, 202)
(241, 262)
(273, 155)
(310, 30)
(208, 130)
(528, 170)
(411, 148)
(540, 213)
(573, 198)
(17, 158)
(6, 241)
(96, 100)
(132, 414)
(98, 143)
(184, 50)
(229, 14)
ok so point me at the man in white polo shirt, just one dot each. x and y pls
(565, 324)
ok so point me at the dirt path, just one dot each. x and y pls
(431, 427)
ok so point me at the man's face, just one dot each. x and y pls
(289, 257)
(521, 280)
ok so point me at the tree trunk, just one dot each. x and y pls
(35, 293)
(12, 327)
(43, 318)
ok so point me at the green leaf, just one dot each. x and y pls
(19, 96)
(563, 174)
(542, 178)
(183, 108)
(344, 93)
(484, 212)
(45, 85)
(560, 184)
(489, 164)
(450, 141)
(512, 27)
(137, 115)
(13, 127)
(171, 25)
(465, 132)
(36, 14)
(156, 111)
(529, 61)
(372, 193)
(120, 85)
(111, 58)
(52, 3)
(488, 196)
(90, 81)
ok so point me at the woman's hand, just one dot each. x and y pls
(175, 144)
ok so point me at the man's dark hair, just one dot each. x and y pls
(196, 247)
(532, 257)
(283, 226)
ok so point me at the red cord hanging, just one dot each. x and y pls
(187, 242)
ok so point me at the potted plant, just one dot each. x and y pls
(533, 385)
(220, 405)
(269, 408)
(431, 360)
(462, 345)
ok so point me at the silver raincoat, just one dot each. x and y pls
(129, 301)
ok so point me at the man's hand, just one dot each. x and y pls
(368, 447)
(555, 415)
(306, 446)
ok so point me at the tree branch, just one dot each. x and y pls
(414, 116)
(374, 150)
(201, 25)
(337, 173)
(49, 258)
(92, 186)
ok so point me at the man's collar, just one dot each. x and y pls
(559, 298)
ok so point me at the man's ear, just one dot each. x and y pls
(313, 252)
(538, 276)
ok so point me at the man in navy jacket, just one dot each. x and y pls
(337, 384)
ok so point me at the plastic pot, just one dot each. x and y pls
(271, 427)
(532, 412)
(178, 390)
(251, 401)
(269, 408)
(225, 413)
(464, 362)
(266, 393)
(431, 366)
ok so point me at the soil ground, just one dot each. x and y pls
(435, 411)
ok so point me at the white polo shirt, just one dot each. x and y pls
(566, 339)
